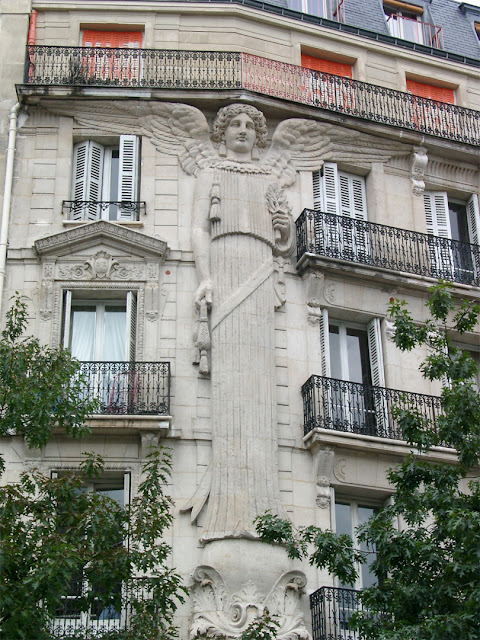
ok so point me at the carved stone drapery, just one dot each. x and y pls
(324, 458)
(418, 166)
(217, 613)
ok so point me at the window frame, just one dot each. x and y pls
(92, 176)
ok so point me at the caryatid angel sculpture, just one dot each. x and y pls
(242, 223)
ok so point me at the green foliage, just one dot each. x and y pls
(428, 570)
(40, 387)
(52, 532)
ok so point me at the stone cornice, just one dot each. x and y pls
(113, 235)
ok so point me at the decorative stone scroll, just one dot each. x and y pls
(220, 614)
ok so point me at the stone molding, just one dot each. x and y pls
(113, 235)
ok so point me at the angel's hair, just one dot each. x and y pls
(225, 114)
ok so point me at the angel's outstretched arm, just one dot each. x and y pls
(201, 236)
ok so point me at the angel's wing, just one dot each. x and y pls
(176, 129)
(303, 145)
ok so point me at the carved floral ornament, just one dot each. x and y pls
(217, 613)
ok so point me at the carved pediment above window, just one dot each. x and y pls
(91, 236)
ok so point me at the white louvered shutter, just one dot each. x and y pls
(378, 377)
(128, 178)
(353, 201)
(131, 326)
(325, 344)
(88, 159)
(473, 217)
(67, 318)
(330, 188)
(375, 351)
(438, 224)
(353, 205)
(317, 191)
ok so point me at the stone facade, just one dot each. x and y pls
(220, 291)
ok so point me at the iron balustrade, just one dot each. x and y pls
(97, 617)
(85, 210)
(331, 610)
(119, 388)
(151, 68)
(377, 245)
(217, 70)
(363, 409)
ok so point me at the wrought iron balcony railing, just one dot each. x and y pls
(415, 31)
(377, 245)
(331, 610)
(208, 70)
(351, 407)
(140, 388)
(88, 210)
(86, 614)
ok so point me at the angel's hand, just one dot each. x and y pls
(281, 223)
(204, 293)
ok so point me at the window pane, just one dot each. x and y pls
(83, 333)
(335, 356)
(114, 169)
(114, 333)
(368, 578)
(343, 519)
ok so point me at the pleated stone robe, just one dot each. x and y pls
(244, 466)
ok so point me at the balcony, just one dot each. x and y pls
(152, 69)
(75, 618)
(331, 610)
(375, 245)
(128, 388)
(362, 409)
(90, 210)
(415, 31)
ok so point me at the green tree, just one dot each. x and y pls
(54, 536)
(428, 571)
(40, 387)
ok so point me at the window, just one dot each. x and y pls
(348, 516)
(323, 88)
(405, 21)
(342, 194)
(326, 66)
(103, 67)
(458, 223)
(430, 91)
(105, 180)
(104, 332)
(100, 330)
(352, 359)
(330, 9)
(99, 617)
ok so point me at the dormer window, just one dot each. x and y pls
(406, 21)
(330, 9)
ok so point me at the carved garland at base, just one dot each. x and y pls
(218, 613)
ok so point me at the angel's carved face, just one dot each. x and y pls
(240, 134)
